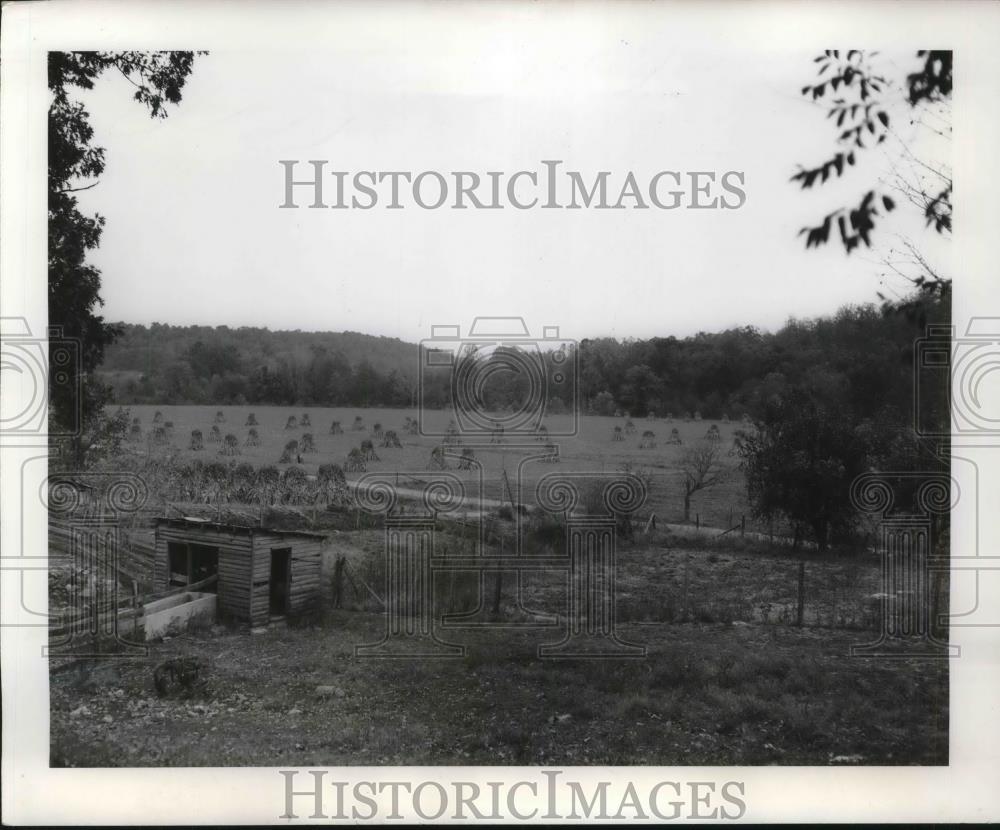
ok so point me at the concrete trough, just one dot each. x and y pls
(175, 613)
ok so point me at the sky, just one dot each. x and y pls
(194, 233)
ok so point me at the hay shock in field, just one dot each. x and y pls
(617, 434)
(438, 460)
(220, 417)
(304, 420)
(336, 428)
(629, 427)
(253, 439)
(307, 444)
(230, 445)
(289, 452)
(713, 433)
(215, 435)
(675, 437)
(391, 440)
(197, 441)
(355, 462)
(292, 422)
(377, 431)
(359, 424)
(368, 450)
(648, 440)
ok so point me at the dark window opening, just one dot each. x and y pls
(191, 563)
(177, 554)
(204, 563)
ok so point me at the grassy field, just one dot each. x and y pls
(591, 449)
(705, 694)
(728, 676)
(727, 679)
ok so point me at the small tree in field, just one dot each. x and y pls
(700, 465)
(800, 461)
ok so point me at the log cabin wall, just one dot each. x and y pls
(244, 566)
(304, 576)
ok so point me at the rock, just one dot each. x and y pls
(294, 711)
(79, 710)
(258, 631)
(329, 691)
(108, 719)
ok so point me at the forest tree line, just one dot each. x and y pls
(860, 357)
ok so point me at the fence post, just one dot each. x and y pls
(743, 525)
(802, 594)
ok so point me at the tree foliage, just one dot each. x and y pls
(858, 97)
(75, 164)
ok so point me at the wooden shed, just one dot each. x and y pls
(263, 574)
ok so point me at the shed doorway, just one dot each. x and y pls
(281, 574)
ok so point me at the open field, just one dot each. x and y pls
(729, 676)
(591, 449)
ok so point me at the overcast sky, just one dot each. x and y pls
(194, 233)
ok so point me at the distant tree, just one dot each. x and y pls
(800, 461)
(700, 466)
(603, 403)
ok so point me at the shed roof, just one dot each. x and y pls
(198, 522)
